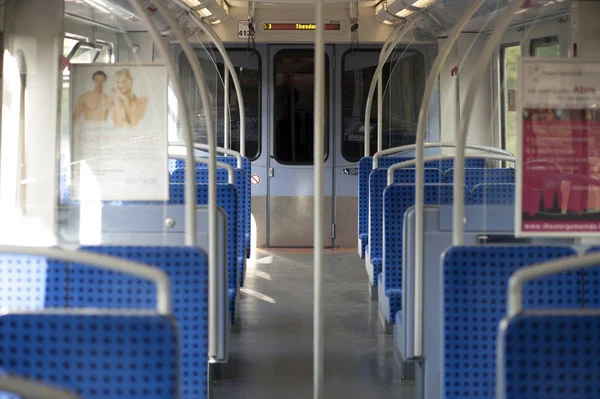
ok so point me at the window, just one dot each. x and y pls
(247, 64)
(404, 83)
(294, 106)
(545, 47)
(510, 57)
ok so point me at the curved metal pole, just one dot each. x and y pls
(412, 162)
(458, 228)
(237, 155)
(222, 165)
(432, 82)
(213, 266)
(190, 190)
(318, 151)
(380, 110)
(236, 82)
(523, 275)
(155, 275)
(382, 60)
(28, 389)
(411, 147)
(226, 124)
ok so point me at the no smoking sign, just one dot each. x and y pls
(255, 180)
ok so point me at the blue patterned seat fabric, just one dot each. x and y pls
(228, 200)
(95, 356)
(247, 168)
(178, 176)
(474, 176)
(475, 280)
(493, 194)
(377, 184)
(551, 356)
(397, 199)
(365, 166)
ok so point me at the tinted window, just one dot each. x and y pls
(404, 83)
(545, 47)
(294, 106)
(247, 64)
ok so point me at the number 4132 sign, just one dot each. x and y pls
(244, 31)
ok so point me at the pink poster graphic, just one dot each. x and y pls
(559, 161)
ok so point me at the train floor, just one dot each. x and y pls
(272, 348)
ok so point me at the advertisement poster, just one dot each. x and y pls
(119, 133)
(558, 173)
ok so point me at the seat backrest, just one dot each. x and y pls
(96, 356)
(397, 199)
(474, 176)
(187, 268)
(549, 356)
(227, 199)
(493, 194)
(178, 176)
(247, 168)
(365, 166)
(70, 285)
(378, 181)
(474, 301)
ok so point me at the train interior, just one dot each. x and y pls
(235, 199)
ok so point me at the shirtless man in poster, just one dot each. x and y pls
(94, 105)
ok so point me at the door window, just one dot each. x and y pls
(293, 107)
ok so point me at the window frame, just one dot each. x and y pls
(260, 87)
(343, 70)
(545, 41)
(328, 77)
(503, 91)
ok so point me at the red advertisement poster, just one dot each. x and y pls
(558, 175)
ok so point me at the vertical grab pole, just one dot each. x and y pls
(380, 111)
(212, 175)
(226, 131)
(190, 176)
(458, 228)
(318, 156)
(432, 81)
(236, 82)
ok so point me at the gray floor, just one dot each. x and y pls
(272, 351)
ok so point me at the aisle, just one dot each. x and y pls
(272, 349)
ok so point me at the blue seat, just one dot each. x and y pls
(365, 166)
(493, 194)
(94, 355)
(70, 285)
(474, 176)
(378, 182)
(187, 268)
(475, 280)
(397, 199)
(247, 168)
(549, 356)
(228, 200)
(178, 176)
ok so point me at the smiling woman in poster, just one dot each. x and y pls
(127, 108)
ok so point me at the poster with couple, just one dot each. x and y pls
(119, 144)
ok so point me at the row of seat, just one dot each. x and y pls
(464, 299)
(378, 181)
(125, 347)
(100, 332)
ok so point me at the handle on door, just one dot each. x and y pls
(271, 172)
